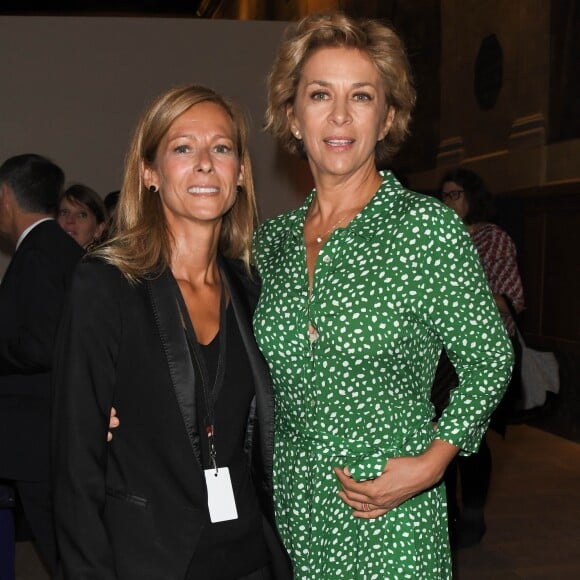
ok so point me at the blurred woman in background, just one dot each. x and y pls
(466, 193)
(82, 214)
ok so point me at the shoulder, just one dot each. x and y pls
(49, 239)
(425, 217)
(94, 276)
(49, 232)
(272, 227)
(421, 205)
(493, 230)
(423, 229)
(407, 207)
(494, 236)
(47, 254)
(272, 232)
(247, 282)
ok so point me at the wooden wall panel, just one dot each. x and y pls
(550, 260)
(561, 306)
(531, 267)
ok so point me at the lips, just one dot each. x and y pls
(338, 142)
(203, 190)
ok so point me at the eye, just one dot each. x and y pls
(63, 212)
(362, 97)
(83, 215)
(319, 96)
(222, 148)
(181, 149)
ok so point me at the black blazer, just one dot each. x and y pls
(133, 509)
(32, 295)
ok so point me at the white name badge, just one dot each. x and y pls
(220, 495)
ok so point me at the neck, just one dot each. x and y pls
(23, 221)
(337, 196)
(194, 254)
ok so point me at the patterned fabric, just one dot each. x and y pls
(497, 253)
(392, 288)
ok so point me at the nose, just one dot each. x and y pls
(204, 160)
(340, 113)
(69, 218)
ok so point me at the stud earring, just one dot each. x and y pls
(239, 189)
(296, 134)
(152, 189)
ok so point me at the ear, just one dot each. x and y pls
(292, 121)
(388, 123)
(149, 176)
(6, 197)
(242, 174)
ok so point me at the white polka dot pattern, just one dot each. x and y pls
(399, 282)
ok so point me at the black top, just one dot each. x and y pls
(228, 550)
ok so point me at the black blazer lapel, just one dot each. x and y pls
(162, 293)
(260, 371)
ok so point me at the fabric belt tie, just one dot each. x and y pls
(365, 461)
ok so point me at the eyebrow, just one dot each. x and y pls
(194, 137)
(354, 85)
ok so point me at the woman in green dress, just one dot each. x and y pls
(362, 287)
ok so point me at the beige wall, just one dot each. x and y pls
(73, 88)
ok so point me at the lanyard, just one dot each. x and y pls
(210, 392)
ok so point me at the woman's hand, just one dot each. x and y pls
(113, 423)
(402, 478)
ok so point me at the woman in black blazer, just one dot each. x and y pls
(158, 325)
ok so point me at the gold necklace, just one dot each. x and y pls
(319, 239)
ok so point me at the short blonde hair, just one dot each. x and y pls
(141, 242)
(378, 41)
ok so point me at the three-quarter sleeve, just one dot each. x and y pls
(458, 306)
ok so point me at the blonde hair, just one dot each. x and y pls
(326, 30)
(141, 242)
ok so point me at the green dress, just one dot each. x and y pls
(400, 282)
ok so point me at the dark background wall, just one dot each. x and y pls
(509, 108)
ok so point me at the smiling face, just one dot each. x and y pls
(340, 112)
(196, 167)
(77, 220)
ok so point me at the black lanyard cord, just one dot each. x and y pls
(210, 392)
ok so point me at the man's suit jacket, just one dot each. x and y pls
(133, 509)
(32, 295)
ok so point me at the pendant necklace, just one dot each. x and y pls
(319, 239)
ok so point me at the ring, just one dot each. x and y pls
(366, 507)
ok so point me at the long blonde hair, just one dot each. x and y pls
(140, 244)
